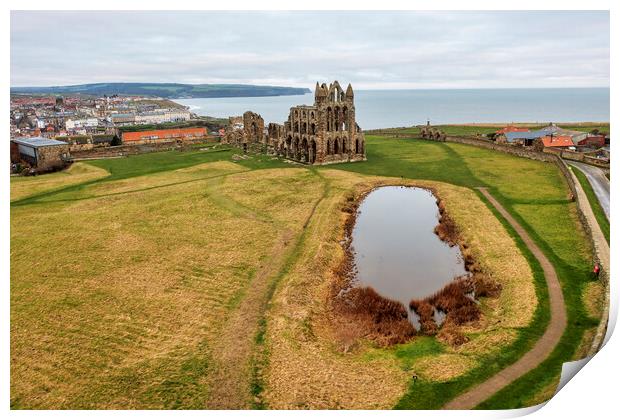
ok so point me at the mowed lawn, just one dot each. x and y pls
(123, 284)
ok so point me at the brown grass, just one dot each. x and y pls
(446, 229)
(129, 297)
(454, 302)
(379, 319)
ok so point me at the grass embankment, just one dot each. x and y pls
(601, 218)
(78, 173)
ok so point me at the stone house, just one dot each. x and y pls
(40, 153)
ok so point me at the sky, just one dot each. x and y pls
(371, 50)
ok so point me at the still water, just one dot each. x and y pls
(400, 108)
(396, 251)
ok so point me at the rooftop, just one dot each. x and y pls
(526, 135)
(38, 142)
(558, 141)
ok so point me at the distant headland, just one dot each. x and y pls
(163, 90)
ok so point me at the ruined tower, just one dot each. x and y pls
(325, 132)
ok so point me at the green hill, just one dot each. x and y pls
(164, 90)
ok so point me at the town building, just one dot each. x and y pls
(71, 124)
(162, 116)
(511, 129)
(40, 153)
(564, 142)
(162, 136)
(593, 141)
(123, 119)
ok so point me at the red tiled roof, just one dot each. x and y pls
(171, 133)
(511, 129)
(558, 141)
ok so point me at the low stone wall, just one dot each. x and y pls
(77, 147)
(513, 150)
(571, 155)
(602, 255)
(133, 149)
(123, 150)
(596, 162)
(578, 157)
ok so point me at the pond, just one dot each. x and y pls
(395, 248)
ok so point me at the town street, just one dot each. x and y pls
(599, 182)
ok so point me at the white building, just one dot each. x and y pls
(80, 124)
(163, 116)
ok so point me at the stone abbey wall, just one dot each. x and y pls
(325, 132)
(322, 133)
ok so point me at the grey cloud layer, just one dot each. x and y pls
(369, 49)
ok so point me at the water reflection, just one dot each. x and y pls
(396, 250)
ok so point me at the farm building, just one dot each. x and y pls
(593, 141)
(41, 153)
(522, 138)
(558, 141)
(162, 136)
(511, 129)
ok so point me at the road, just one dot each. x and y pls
(599, 182)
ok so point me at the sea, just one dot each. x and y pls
(402, 108)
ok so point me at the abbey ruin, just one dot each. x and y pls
(318, 134)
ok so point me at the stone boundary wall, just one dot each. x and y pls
(601, 253)
(131, 149)
(578, 156)
(513, 150)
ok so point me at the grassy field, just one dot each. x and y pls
(127, 298)
(155, 292)
(79, 173)
(601, 218)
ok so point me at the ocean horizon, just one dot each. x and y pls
(407, 107)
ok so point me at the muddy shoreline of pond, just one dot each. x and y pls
(362, 313)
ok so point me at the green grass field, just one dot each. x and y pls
(118, 246)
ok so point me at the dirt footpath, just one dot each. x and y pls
(543, 347)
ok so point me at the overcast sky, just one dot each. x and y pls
(372, 50)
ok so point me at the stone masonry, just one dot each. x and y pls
(318, 134)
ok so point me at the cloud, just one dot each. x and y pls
(368, 49)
